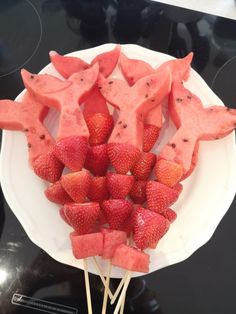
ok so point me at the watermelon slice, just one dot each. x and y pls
(111, 240)
(130, 258)
(134, 103)
(194, 123)
(27, 116)
(86, 245)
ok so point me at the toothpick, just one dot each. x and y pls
(122, 305)
(122, 295)
(99, 270)
(104, 305)
(119, 287)
(88, 293)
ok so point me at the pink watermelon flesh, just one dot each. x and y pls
(64, 96)
(193, 162)
(194, 123)
(86, 245)
(66, 65)
(130, 258)
(95, 103)
(111, 240)
(134, 103)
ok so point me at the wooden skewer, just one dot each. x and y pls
(119, 287)
(87, 286)
(122, 295)
(104, 305)
(122, 305)
(102, 277)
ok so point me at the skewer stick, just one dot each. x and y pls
(119, 287)
(88, 293)
(104, 305)
(122, 305)
(99, 270)
(122, 295)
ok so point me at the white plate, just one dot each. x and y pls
(206, 197)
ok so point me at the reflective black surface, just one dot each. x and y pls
(206, 282)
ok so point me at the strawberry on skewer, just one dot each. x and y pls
(65, 96)
(28, 116)
(119, 185)
(97, 160)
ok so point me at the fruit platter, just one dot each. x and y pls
(122, 163)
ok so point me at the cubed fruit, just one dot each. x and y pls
(86, 245)
(111, 240)
(130, 258)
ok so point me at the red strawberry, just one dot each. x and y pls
(150, 136)
(122, 156)
(178, 187)
(71, 151)
(143, 166)
(77, 185)
(138, 192)
(117, 212)
(168, 172)
(170, 215)
(160, 196)
(119, 185)
(97, 160)
(56, 194)
(98, 189)
(48, 167)
(149, 227)
(100, 126)
(63, 216)
(82, 217)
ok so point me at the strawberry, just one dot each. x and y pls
(119, 185)
(160, 196)
(168, 172)
(138, 192)
(82, 217)
(71, 151)
(97, 160)
(56, 194)
(150, 136)
(170, 215)
(100, 126)
(77, 185)
(178, 187)
(98, 189)
(143, 166)
(48, 167)
(149, 227)
(63, 216)
(122, 156)
(117, 212)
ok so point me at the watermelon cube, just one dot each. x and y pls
(86, 245)
(130, 258)
(111, 240)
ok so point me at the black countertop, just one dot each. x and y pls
(204, 283)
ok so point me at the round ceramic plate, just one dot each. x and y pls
(207, 193)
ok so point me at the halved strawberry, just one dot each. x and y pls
(48, 167)
(150, 135)
(170, 215)
(100, 126)
(77, 185)
(138, 192)
(143, 166)
(71, 151)
(97, 160)
(63, 216)
(98, 189)
(82, 217)
(119, 185)
(117, 212)
(160, 196)
(168, 172)
(55, 193)
(122, 156)
(149, 227)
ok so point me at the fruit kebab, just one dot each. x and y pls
(125, 142)
(65, 96)
(28, 116)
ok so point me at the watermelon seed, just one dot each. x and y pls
(124, 126)
(146, 96)
(31, 76)
(26, 130)
(189, 97)
(185, 140)
(119, 122)
(152, 100)
(118, 134)
(99, 87)
(228, 109)
(173, 145)
(42, 137)
(148, 84)
(179, 99)
(81, 79)
(111, 82)
(29, 145)
(216, 138)
(211, 109)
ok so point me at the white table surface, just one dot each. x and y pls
(225, 8)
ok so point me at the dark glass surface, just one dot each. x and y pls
(204, 283)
